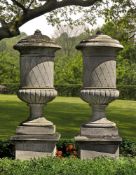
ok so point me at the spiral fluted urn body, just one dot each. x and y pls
(37, 54)
(99, 73)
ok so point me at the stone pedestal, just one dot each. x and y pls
(99, 136)
(29, 146)
(94, 147)
(37, 136)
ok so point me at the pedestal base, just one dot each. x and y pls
(35, 146)
(95, 141)
(35, 139)
(94, 147)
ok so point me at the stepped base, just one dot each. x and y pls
(96, 141)
(34, 139)
(90, 148)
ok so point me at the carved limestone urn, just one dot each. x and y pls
(99, 136)
(36, 137)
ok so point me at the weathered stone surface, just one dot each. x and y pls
(91, 149)
(36, 129)
(35, 146)
(99, 136)
(99, 131)
(37, 136)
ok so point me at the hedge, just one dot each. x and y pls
(71, 166)
(126, 91)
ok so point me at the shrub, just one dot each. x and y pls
(128, 148)
(6, 149)
(66, 148)
(11, 88)
(63, 166)
(72, 90)
(127, 92)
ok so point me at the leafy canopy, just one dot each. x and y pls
(15, 13)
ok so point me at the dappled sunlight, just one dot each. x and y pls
(67, 113)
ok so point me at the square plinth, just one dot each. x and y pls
(90, 148)
(38, 130)
(35, 146)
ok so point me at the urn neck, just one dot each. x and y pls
(98, 112)
(36, 111)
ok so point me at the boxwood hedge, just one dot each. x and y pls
(126, 91)
(69, 166)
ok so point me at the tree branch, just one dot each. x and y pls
(30, 4)
(19, 5)
(29, 14)
(3, 23)
(53, 5)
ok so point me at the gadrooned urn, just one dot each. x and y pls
(99, 65)
(37, 53)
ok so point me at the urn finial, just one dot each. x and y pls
(37, 32)
(99, 32)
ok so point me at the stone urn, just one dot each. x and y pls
(99, 136)
(36, 137)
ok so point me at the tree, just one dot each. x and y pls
(69, 71)
(9, 61)
(15, 13)
(126, 59)
(68, 37)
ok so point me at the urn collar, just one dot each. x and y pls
(99, 40)
(35, 41)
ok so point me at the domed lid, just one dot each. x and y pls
(36, 40)
(99, 40)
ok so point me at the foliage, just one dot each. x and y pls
(9, 61)
(66, 148)
(57, 166)
(126, 66)
(9, 71)
(126, 59)
(68, 38)
(126, 91)
(15, 13)
(128, 148)
(70, 90)
(6, 149)
(68, 70)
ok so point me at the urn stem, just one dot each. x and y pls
(98, 112)
(36, 111)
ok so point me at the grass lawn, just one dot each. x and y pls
(67, 113)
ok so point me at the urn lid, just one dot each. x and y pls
(36, 40)
(99, 40)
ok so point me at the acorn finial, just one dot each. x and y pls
(99, 32)
(37, 32)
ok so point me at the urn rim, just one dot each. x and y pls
(99, 40)
(37, 40)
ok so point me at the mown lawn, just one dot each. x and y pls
(67, 113)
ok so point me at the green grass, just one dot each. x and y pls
(67, 113)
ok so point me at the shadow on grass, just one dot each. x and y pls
(66, 116)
